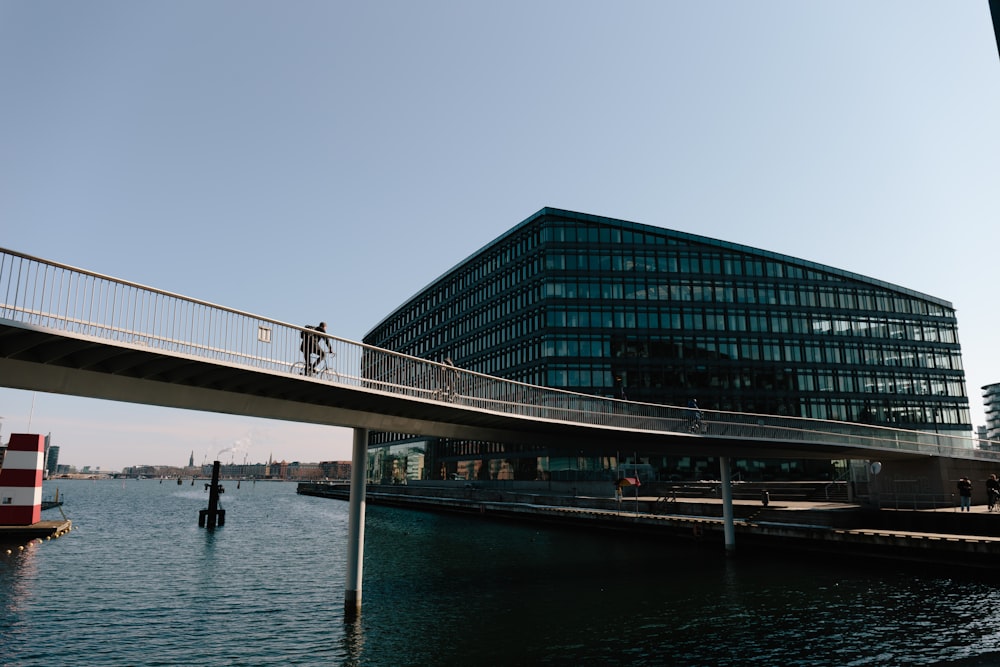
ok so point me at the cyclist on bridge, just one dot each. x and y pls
(310, 346)
(693, 415)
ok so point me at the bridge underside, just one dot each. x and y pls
(40, 360)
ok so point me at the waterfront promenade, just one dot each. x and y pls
(940, 535)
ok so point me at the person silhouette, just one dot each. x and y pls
(311, 347)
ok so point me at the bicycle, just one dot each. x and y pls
(447, 379)
(696, 424)
(446, 394)
(324, 369)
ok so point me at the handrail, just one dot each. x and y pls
(75, 302)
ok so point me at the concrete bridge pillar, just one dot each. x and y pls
(356, 524)
(727, 504)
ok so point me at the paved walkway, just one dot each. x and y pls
(961, 533)
(794, 505)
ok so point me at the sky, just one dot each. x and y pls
(322, 160)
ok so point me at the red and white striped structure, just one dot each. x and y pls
(21, 480)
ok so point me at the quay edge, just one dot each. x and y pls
(933, 537)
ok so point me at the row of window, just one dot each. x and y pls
(756, 349)
(575, 232)
(874, 409)
(843, 297)
(901, 412)
(879, 383)
(591, 378)
(759, 321)
(619, 258)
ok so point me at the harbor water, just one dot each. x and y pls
(137, 582)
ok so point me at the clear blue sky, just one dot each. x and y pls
(316, 160)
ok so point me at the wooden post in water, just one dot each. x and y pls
(356, 525)
(213, 515)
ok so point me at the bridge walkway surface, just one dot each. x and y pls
(939, 536)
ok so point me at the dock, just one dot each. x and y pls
(941, 536)
(12, 535)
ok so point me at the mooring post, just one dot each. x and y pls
(356, 525)
(727, 504)
(213, 515)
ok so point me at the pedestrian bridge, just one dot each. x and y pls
(71, 331)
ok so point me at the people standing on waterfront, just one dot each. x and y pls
(310, 347)
(965, 494)
(992, 492)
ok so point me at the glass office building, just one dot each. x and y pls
(615, 308)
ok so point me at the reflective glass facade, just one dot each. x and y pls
(615, 308)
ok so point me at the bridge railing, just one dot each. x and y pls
(36, 293)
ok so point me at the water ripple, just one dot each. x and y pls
(138, 583)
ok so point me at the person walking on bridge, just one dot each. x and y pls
(693, 413)
(310, 347)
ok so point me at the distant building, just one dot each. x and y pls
(619, 309)
(51, 458)
(982, 442)
(991, 403)
(335, 469)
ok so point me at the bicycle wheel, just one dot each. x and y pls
(299, 368)
(326, 373)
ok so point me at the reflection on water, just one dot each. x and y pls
(21, 567)
(353, 641)
(139, 582)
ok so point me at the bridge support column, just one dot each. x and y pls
(356, 525)
(727, 504)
